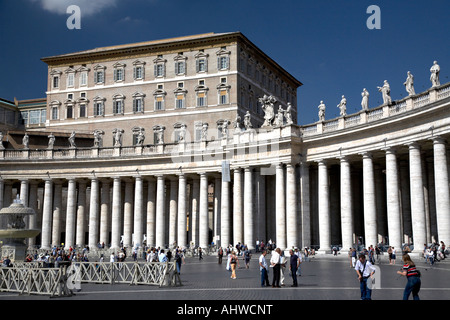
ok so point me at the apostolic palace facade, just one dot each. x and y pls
(195, 140)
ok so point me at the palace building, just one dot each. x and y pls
(194, 140)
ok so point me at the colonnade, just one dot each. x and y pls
(294, 204)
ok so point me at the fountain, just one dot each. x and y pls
(14, 236)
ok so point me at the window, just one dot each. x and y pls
(83, 79)
(138, 70)
(119, 72)
(69, 112)
(138, 102)
(99, 74)
(54, 113)
(179, 101)
(118, 104)
(70, 79)
(201, 99)
(159, 66)
(99, 104)
(223, 59)
(82, 110)
(55, 82)
(159, 103)
(179, 67)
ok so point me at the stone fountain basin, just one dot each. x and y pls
(17, 233)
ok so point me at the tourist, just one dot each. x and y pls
(364, 270)
(413, 278)
(275, 264)
(179, 259)
(247, 256)
(263, 269)
(220, 255)
(234, 261)
(283, 261)
(293, 266)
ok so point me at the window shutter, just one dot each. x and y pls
(95, 76)
(197, 67)
(134, 73)
(115, 74)
(206, 65)
(155, 70)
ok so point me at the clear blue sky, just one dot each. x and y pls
(323, 43)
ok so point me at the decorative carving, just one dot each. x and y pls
(159, 134)
(365, 100)
(72, 140)
(321, 108)
(434, 77)
(204, 132)
(247, 121)
(279, 120)
(409, 84)
(139, 132)
(288, 114)
(51, 141)
(267, 105)
(117, 137)
(98, 138)
(26, 141)
(343, 107)
(386, 92)
(1, 141)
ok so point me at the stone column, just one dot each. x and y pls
(405, 201)
(441, 190)
(195, 208)
(260, 219)
(249, 239)
(237, 207)
(160, 212)
(81, 214)
(94, 214)
(305, 205)
(24, 192)
(173, 210)
(57, 214)
(346, 205)
(116, 214)
(151, 213)
(71, 213)
(138, 212)
(182, 217)
(46, 232)
(128, 214)
(203, 212)
(393, 199)
(105, 200)
(280, 207)
(291, 207)
(417, 198)
(370, 209)
(33, 203)
(216, 219)
(225, 217)
(324, 208)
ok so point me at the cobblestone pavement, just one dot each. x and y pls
(324, 277)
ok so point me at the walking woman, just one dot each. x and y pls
(233, 262)
(413, 277)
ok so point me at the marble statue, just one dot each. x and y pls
(159, 137)
(51, 141)
(224, 128)
(117, 137)
(343, 106)
(279, 120)
(182, 133)
(1, 141)
(26, 141)
(267, 104)
(140, 138)
(247, 121)
(237, 123)
(386, 92)
(288, 114)
(321, 111)
(365, 99)
(72, 140)
(204, 133)
(409, 84)
(98, 138)
(435, 69)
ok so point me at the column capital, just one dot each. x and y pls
(390, 150)
(366, 154)
(438, 140)
(413, 145)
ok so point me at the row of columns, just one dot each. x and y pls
(393, 198)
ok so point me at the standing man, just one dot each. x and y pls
(275, 264)
(293, 266)
(220, 254)
(263, 269)
(364, 270)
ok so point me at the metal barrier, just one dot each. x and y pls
(133, 273)
(40, 281)
(32, 278)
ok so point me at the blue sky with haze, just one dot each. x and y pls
(323, 43)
